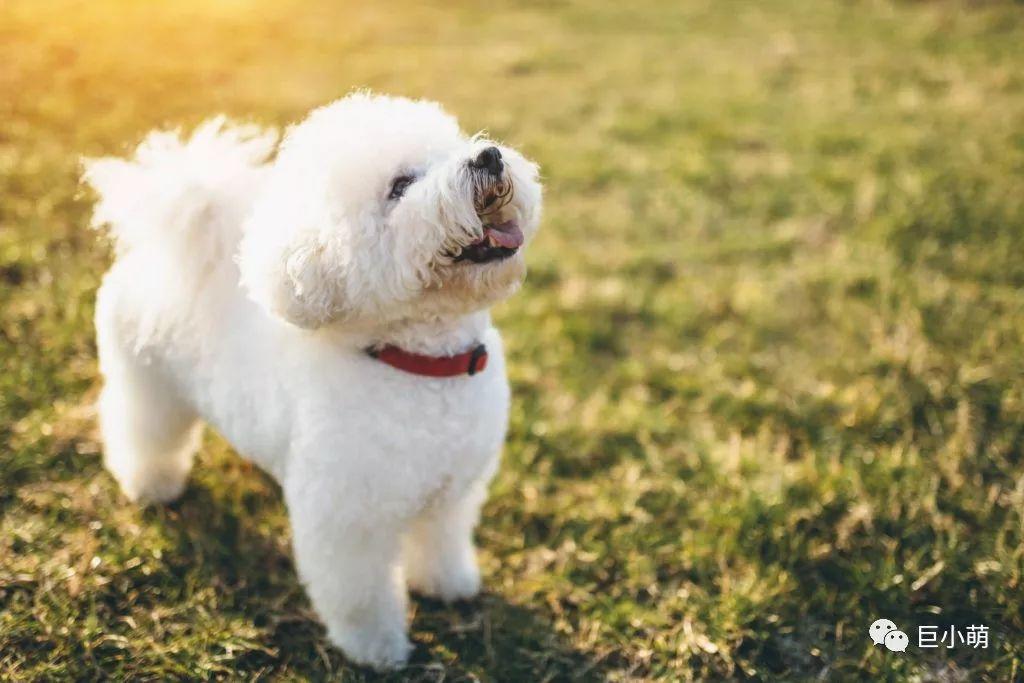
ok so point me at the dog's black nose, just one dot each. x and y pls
(488, 160)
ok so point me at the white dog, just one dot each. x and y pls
(326, 311)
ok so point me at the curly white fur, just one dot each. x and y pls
(244, 293)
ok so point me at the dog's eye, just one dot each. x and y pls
(400, 185)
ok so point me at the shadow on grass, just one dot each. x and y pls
(247, 563)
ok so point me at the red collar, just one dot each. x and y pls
(468, 363)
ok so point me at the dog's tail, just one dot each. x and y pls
(178, 196)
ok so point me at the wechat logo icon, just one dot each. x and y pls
(885, 632)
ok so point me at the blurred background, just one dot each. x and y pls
(768, 366)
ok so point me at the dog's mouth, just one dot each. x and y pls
(502, 236)
(500, 241)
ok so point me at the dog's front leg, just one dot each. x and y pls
(439, 555)
(348, 562)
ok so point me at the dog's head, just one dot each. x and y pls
(380, 209)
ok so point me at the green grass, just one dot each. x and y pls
(768, 367)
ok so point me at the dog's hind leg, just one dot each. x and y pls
(149, 435)
(439, 556)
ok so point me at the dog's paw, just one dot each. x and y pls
(379, 649)
(448, 582)
(151, 487)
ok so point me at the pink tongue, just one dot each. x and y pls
(506, 234)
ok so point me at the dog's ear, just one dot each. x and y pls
(298, 275)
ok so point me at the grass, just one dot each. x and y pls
(768, 367)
